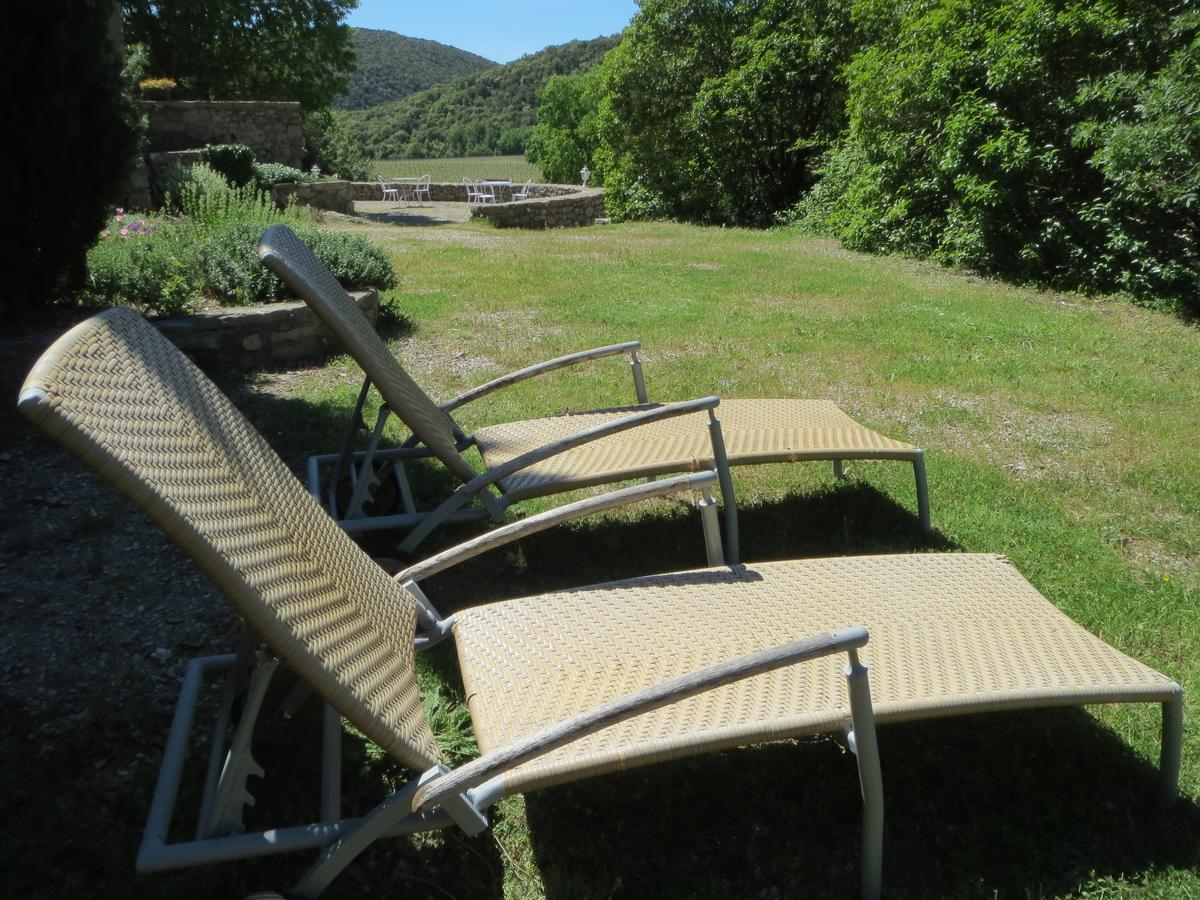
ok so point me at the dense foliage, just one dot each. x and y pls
(246, 49)
(390, 66)
(1049, 141)
(567, 133)
(490, 112)
(206, 248)
(71, 142)
(234, 161)
(1023, 138)
(716, 111)
(329, 146)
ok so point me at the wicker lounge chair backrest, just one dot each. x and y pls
(121, 397)
(292, 260)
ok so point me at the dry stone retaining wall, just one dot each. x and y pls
(337, 196)
(271, 129)
(274, 335)
(550, 206)
(583, 207)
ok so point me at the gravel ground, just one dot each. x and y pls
(99, 614)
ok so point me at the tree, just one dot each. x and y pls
(1022, 138)
(717, 111)
(74, 134)
(247, 49)
(567, 133)
(1148, 152)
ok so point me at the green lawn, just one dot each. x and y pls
(514, 168)
(1060, 431)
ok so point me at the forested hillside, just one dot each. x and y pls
(391, 66)
(487, 113)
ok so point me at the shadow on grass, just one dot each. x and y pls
(1024, 804)
(417, 217)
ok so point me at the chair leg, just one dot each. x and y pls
(733, 550)
(866, 751)
(922, 493)
(1172, 750)
(341, 853)
(839, 469)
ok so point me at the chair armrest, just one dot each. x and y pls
(522, 528)
(542, 368)
(674, 689)
(665, 411)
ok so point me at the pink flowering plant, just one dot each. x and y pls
(121, 225)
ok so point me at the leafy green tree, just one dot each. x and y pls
(247, 49)
(567, 134)
(74, 136)
(1018, 137)
(329, 147)
(717, 111)
(1148, 153)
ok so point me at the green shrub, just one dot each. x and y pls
(148, 265)
(267, 175)
(1030, 139)
(228, 262)
(355, 261)
(234, 161)
(203, 195)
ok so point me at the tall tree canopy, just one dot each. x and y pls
(1044, 140)
(716, 111)
(246, 49)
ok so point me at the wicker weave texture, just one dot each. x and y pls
(292, 260)
(950, 634)
(125, 400)
(755, 431)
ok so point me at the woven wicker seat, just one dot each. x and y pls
(560, 686)
(755, 431)
(546, 456)
(950, 634)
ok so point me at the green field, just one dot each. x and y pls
(1060, 431)
(514, 168)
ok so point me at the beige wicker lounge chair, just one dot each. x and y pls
(950, 634)
(538, 457)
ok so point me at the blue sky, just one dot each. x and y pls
(501, 31)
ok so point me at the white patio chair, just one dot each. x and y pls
(390, 191)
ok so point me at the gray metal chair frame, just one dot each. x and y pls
(390, 191)
(434, 433)
(117, 394)
(422, 189)
(289, 257)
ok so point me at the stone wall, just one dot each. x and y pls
(275, 335)
(337, 196)
(583, 207)
(272, 129)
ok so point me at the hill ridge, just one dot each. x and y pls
(488, 112)
(392, 66)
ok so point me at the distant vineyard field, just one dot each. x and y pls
(514, 168)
